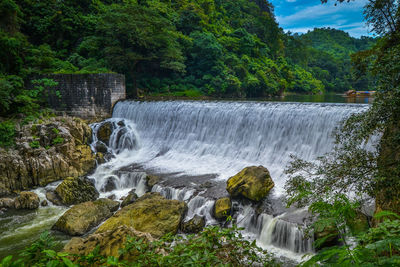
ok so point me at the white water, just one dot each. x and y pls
(221, 138)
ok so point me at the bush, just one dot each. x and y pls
(7, 133)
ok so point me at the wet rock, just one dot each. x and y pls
(194, 225)
(104, 132)
(24, 167)
(6, 203)
(79, 219)
(222, 208)
(54, 198)
(109, 242)
(76, 190)
(112, 197)
(101, 147)
(121, 124)
(129, 199)
(252, 182)
(27, 200)
(109, 185)
(44, 203)
(152, 180)
(151, 213)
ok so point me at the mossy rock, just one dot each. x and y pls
(152, 180)
(76, 190)
(151, 213)
(82, 217)
(109, 243)
(222, 208)
(327, 237)
(104, 132)
(129, 199)
(27, 200)
(252, 182)
(194, 225)
(359, 224)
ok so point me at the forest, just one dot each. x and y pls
(218, 49)
(211, 48)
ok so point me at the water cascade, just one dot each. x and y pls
(189, 143)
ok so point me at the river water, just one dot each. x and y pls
(195, 146)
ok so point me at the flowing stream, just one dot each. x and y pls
(195, 146)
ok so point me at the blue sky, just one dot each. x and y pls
(302, 15)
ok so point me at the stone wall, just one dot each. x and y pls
(86, 95)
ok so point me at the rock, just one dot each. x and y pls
(359, 224)
(151, 213)
(44, 203)
(129, 199)
(151, 180)
(53, 198)
(222, 208)
(6, 203)
(109, 242)
(24, 167)
(194, 225)
(330, 234)
(101, 147)
(104, 132)
(109, 185)
(76, 190)
(27, 200)
(112, 197)
(79, 219)
(253, 183)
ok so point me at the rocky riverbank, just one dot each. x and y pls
(44, 152)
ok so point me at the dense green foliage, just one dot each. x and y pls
(214, 246)
(187, 48)
(365, 163)
(326, 54)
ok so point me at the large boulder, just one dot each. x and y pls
(109, 242)
(76, 190)
(6, 203)
(194, 225)
(54, 198)
(151, 213)
(222, 208)
(104, 132)
(252, 182)
(27, 200)
(79, 219)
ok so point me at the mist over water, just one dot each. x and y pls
(198, 138)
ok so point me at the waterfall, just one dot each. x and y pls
(193, 142)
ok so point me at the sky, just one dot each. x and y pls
(303, 15)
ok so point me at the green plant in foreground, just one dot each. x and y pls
(7, 133)
(58, 140)
(214, 246)
(34, 144)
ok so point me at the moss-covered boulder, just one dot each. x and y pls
(109, 242)
(252, 182)
(222, 208)
(79, 219)
(194, 225)
(129, 199)
(326, 237)
(27, 200)
(104, 132)
(151, 213)
(152, 180)
(76, 190)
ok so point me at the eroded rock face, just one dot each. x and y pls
(76, 190)
(252, 182)
(109, 242)
(82, 217)
(151, 213)
(194, 225)
(52, 150)
(27, 200)
(222, 208)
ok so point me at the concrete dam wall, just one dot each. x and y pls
(86, 95)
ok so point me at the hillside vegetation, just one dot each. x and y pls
(218, 48)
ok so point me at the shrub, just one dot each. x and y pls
(34, 144)
(7, 133)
